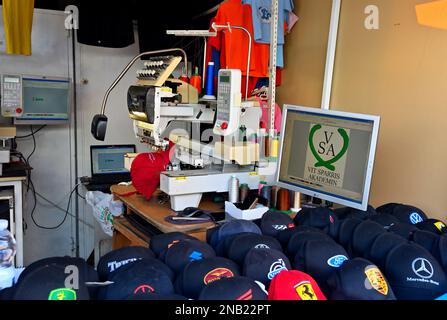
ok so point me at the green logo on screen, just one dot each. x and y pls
(62, 294)
(327, 148)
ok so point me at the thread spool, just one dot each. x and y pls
(275, 190)
(266, 192)
(296, 207)
(243, 192)
(209, 90)
(283, 200)
(233, 190)
(274, 152)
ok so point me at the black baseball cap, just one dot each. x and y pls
(414, 274)
(346, 212)
(299, 239)
(403, 229)
(284, 236)
(159, 243)
(264, 264)
(236, 288)
(113, 260)
(319, 258)
(385, 219)
(198, 274)
(243, 243)
(321, 218)
(346, 230)
(364, 235)
(433, 225)
(235, 227)
(409, 214)
(387, 208)
(382, 245)
(359, 279)
(185, 251)
(46, 280)
(428, 240)
(273, 222)
(137, 278)
(155, 296)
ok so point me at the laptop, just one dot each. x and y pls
(107, 164)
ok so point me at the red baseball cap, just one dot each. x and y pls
(146, 168)
(294, 285)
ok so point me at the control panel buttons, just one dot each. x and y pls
(224, 125)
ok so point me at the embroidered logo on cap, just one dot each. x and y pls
(422, 268)
(62, 294)
(337, 261)
(246, 296)
(195, 255)
(305, 291)
(217, 274)
(276, 268)
(262, 246)
(144, 288)
(441, 226)
(415, 218)
(376, 280)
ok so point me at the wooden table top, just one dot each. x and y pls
(155, 211)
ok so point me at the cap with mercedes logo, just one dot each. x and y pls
(359, 279)
(414, 274)
(265, 264)
(235, 288)
(273, 222)
(198, 274)
(294, 285)
(433, 225)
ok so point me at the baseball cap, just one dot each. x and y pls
(426, 239)
(359, 279)
(273, 222)
(159, 243)
(319, 258)
(364, 235)
(46, 280)
(137, 278)
(243, 243)
(265, 264)
(414, 274)
(382, 245)
(155, 296)
(347, 227)
(387, 208)
(284, 236)
(294, 285)
(403, 229)
(433, 225)
(235, 288)
(198, 274)
(409, 214)
(298, 240)
(185, 251)
(384, 219)
(235, 227)
(113, 260)
(346, 212)
(321, 218)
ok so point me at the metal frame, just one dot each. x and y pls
(371, 158)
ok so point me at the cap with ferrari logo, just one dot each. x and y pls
(414, 274)
(273, 222)
(294, 285)
(198, 274)
(433, 225)
(265, 264)
(235, 288)
(359, 279)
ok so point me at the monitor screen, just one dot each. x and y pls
(328, 154)
(45, 101)
(109, 160)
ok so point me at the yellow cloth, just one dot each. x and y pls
(18, 19)
(433, 14)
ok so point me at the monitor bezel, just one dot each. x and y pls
(372, 153)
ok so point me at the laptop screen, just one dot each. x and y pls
(109, 159)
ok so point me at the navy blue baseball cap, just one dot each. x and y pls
(299, 239)
(284, 236)
(198, 274)
(346, 230)
(113, 260)
(236, 288)
(243, 243)
(321, 218)
(359, 279)
(135, 279)
(235, 227)
(145, 295)
(265, 264)
(46, 280)
(346, 212)
(185, 251)
(409, 214)
(414, 274)
(159, 243)
(403, 229)
(428, 240)
(387, 208)
(273, 222)
(433, 225)
(382, 245)
(319, 258)
(385, 219)
(364, 235)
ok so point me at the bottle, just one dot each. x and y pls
(233, 190)
(196, 80)
(7, 253)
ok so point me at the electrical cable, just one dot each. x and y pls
(29, 135)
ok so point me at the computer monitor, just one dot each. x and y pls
(328, 154)
(109, 159)
(46, 100)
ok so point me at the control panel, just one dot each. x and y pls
(11, 95)
(229, 99)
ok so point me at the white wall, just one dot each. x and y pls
(53, 161)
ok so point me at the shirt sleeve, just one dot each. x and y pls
(257, 27)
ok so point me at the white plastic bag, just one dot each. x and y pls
(104, 209)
